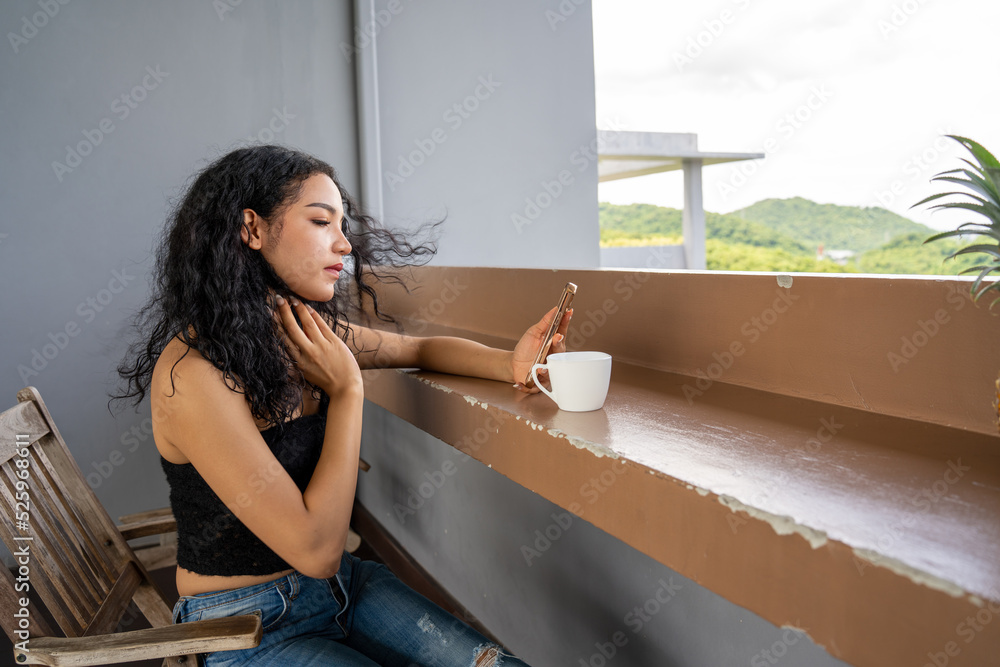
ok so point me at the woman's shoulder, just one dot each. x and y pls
(185, 386)
(181, 364)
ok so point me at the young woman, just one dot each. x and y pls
(253, 372)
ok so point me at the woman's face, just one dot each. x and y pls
(306, 246)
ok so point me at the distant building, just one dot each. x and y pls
(838, 256)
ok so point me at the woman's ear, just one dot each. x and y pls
(252, 230)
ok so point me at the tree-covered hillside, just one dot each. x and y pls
(620, 224)
(835, 227)
(783, 237)
(908, 254)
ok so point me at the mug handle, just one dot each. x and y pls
(534, 376)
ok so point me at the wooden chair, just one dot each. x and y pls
(80, 565)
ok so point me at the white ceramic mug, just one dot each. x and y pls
(579, 379)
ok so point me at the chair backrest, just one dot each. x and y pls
(82, 568)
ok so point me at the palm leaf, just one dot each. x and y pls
(984, 157)
(933, 197)
(975, 166)
(972, 269)
(974, 183)
(944, 235)
(991, 249)
(978, 229)
(974, 197)
(989, 211)
(954, 232)
(981, 188)
(994, 176)
(991, 286)
(982, 274)
(988, 174)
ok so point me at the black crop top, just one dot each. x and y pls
(210, 539)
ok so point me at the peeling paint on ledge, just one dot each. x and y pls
(794, 628)
(533, 425)
(691, 487)
(911, 573)
(597, 449)
(782, 525)
(435, 385)
(473, 401)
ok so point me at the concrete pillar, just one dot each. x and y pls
(369, 137)
(694, 215)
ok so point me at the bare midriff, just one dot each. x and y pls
(192, 583)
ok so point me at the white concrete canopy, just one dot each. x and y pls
(631, 154)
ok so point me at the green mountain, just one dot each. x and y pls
(908, 254)
(783, 234)
(836, 227)
(636, 221)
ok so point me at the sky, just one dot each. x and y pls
(848, 99)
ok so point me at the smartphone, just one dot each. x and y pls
(564, 301)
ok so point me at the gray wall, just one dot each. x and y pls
(488, 117)
(75, 245)
(566, 607)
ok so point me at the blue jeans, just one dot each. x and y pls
(363, 616)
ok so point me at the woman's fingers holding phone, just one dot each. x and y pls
(527, 348)
(559, 340)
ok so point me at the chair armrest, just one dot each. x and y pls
(152, 522)
(218, 634)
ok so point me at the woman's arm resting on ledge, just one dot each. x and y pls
(458, 356)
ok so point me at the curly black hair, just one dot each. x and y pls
(213, 292)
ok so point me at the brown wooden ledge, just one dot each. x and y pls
(875, 533)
